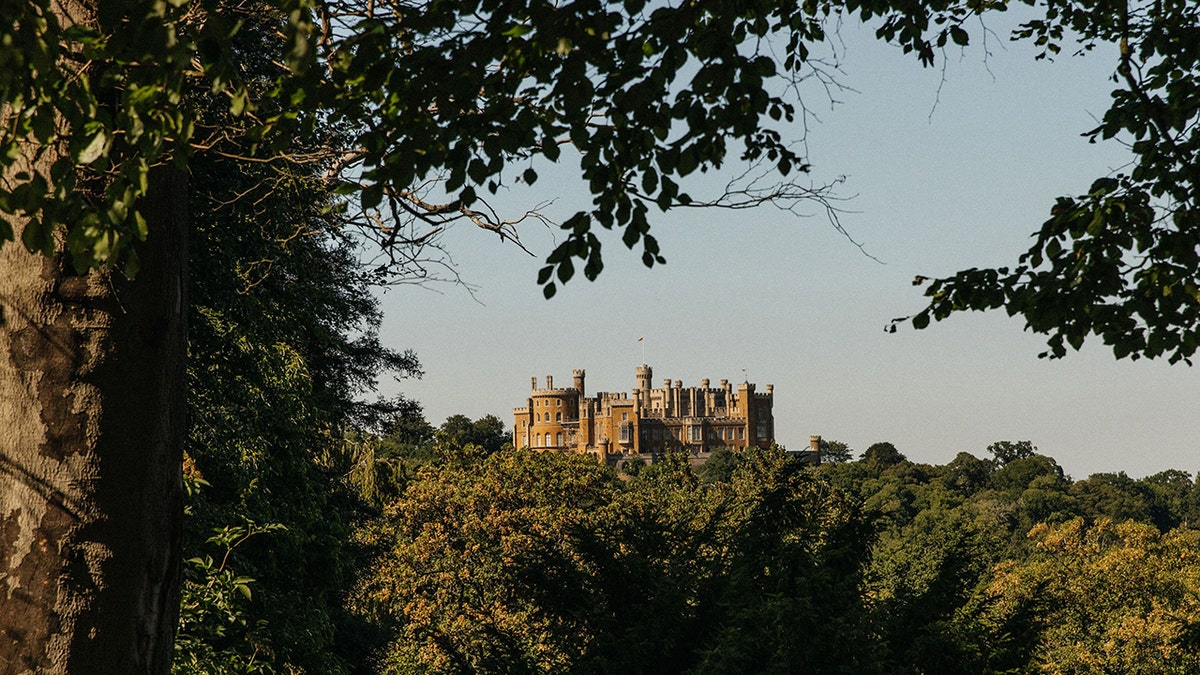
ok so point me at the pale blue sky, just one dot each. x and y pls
(930, 190)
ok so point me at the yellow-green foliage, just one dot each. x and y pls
(1105, 598)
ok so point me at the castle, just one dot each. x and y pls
(645, 421)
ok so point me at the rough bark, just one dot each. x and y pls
(92, 386)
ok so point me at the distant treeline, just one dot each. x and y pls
(464, 555)
(530, 562)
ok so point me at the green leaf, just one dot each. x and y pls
(550, 149)
(132, 264)
(649, 181)
(566, 270)
(98, 145)
(237, 103)
(371, 196)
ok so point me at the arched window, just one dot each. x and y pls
(547, 439)
(558, 438)
(557, 417)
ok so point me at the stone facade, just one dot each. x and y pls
(645, 421)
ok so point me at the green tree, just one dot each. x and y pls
(719, 466)
(1117, 262)
(1017, 475)
(408, 434)
(1170, 495)
(283, 345)
(487, 432)
(1112, 496)
(793, 550)
(543, 562)
(1003, 452)
(967, 474)
(921, 574)
(1118, 598)
(835, 451)
(880, 456)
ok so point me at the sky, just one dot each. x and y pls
(941, 169)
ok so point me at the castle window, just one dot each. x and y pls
(695, 433)
(558, 438)
(547, 440)
(558, 417)
(741, 433)
(624, 417)
(626, 433)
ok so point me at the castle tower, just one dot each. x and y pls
(644, 373)
(578, 376)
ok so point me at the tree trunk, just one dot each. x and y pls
(92, 386)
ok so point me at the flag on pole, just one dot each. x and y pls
(640, 339)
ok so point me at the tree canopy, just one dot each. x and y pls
(442, 104)
(543, 562)
(446, 102)
(546, 562)
(1120, 261)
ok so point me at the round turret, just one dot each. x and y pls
(644, 374)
